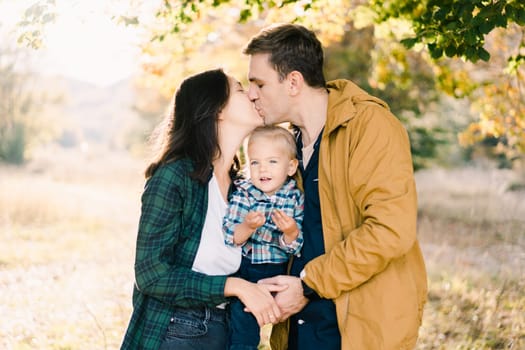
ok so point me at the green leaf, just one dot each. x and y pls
(452, 26)
(470, 53)
(450, 50)
(48, 17)
(513, 64)
(409, 42)
(485, 27)
(470, 37)
(128, 21)
(440, 14)
(483, 54)
(520, 18)
(501, 21)
(435, 51)
(244, 15)
(510, 12)
(466, 12)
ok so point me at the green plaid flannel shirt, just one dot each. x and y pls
(173, 212)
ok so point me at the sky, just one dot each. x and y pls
(84, 43)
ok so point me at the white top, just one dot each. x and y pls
(308, 152)
(214, 257)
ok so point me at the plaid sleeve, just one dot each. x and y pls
(238, 207)
(163, 259)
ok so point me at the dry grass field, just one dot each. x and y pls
(68, 225)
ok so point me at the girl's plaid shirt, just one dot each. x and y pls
(265, 245)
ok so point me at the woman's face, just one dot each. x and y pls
(240, 110)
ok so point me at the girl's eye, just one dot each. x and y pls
(253, 163)
(273, 161)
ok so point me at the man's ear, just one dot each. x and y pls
(295, 82)
(292, 166)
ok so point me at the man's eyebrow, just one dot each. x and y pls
(254, 79)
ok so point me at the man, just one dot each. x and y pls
(362, 279)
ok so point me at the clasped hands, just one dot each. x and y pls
(288, 295)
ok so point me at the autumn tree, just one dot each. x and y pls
(14, 106)
(451, 34)
(499, 97)
(351, 51)
(418, 50)
(24, 122)
(489, 37)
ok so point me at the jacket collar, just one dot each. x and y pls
(343, 95)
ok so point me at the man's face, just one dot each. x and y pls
(268, 93)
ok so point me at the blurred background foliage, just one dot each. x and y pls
(452, 71)
(27, 115)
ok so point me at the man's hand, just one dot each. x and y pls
(290, 300)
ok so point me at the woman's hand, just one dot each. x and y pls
(257, 298)
(290, 299)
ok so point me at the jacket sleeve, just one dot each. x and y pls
(162, 269)
(381, 185)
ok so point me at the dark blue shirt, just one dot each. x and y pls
(314, 327)
(313, 243)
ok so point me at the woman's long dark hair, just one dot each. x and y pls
(191, 127)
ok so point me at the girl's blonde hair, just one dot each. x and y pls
(275, 133)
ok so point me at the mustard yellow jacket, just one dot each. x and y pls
(373, 268)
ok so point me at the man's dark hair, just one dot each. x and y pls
(292, 48)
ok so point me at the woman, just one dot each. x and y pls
(182, 265)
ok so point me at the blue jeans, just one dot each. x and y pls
(197, 329)
(245, 332)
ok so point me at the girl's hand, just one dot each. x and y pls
(254, 219)
(286, 224)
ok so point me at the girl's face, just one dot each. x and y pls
(270, 164)
(239, 109)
